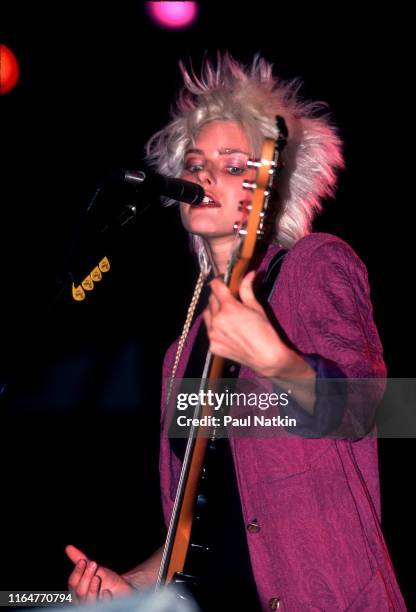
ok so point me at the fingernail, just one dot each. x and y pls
(92, 566)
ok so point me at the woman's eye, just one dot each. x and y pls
(194, 168)
(235, 169)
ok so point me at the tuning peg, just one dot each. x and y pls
(255, 163)
(249, 185)
(266, 224)
(237, 227)
(244, 205)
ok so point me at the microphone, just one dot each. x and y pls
(102, 222)
(157, 184)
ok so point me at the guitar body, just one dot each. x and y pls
(217, 569)
(199, 555)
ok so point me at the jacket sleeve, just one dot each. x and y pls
(335, 311)
(335, 315)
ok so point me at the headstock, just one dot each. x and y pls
(259, 217)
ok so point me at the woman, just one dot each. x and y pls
(307, 509)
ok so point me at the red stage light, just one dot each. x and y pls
(173, 15)
(9, 70)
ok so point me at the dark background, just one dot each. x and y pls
(80, 413)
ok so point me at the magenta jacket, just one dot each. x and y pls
(318, 545)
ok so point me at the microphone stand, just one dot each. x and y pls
(87, 258)
(96, 232)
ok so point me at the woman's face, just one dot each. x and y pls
(217, 161)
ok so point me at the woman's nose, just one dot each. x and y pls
(206, 176)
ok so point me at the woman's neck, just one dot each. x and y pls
(219, 250)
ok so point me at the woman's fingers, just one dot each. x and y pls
(76, 575)
(213, 304)
(207, 317)
(220, 291)
(94, 589)
(84, 584)
(246, 292)
(75, 554)
(83, 580)
(106, 595)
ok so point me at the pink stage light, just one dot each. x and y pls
(9, 69)
(173, 15)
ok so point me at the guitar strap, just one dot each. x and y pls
(270, 278)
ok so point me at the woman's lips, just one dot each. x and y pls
(207, 202)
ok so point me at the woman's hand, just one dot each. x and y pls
(90, 581)
(241, 331)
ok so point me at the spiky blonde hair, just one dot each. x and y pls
(252, 97)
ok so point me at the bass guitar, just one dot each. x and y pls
(257, 221)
